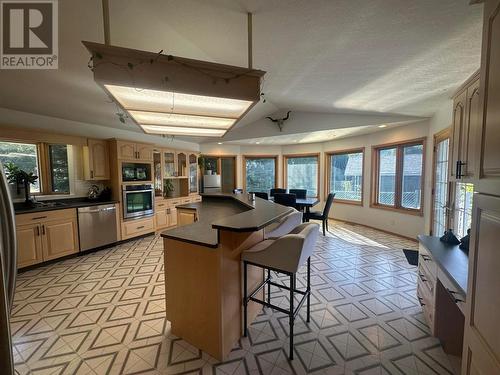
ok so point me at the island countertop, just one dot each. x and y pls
(450, 258)
(231, 212)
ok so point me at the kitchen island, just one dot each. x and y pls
(203, 278)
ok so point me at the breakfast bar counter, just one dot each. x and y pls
(203, 278)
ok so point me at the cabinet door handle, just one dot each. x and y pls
(142, 226)
(43, 230)
(420, 301)
(422, 277)
(458, 300)
(91, 174)
(38, 230)
(458, 171)
(426, 257)
(39, 217)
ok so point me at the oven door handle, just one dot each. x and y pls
(137, 191)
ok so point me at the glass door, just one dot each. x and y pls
(169, 164)
(182, 164)
(193, 173)
(157, 178)
(440, 204)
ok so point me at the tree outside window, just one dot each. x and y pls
(260, 173)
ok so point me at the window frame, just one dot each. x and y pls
(328, 159)
(398, 177)
(244, 167)
(45, 174)
(438, 138)
(293, 156)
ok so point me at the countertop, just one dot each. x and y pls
(450, 258)
(231, 212)
(58, 204)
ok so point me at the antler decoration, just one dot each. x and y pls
(280, 121)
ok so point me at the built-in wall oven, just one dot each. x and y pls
(138, 201)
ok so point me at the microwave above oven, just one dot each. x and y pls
(136, 172)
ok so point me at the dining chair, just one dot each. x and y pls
(300, 193)
(260, 194)
(284, 199)
(323, 216)
(277, 191)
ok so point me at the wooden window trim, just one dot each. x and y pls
(399, 168)
(439, 137)
(42, 150)
(244, 169)
(328, 156)
(292, 156)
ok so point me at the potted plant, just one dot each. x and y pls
(168, 188)
(20, 180)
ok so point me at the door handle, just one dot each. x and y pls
(91, 174)
(38, 230)
(43, 230)
(458, 169)
(39, 217)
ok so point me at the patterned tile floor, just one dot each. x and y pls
(103, 313)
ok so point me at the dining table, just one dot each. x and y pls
(304, 204)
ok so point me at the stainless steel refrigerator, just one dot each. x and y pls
(8, 271)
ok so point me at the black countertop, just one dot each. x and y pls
(58, 204)
(231, 212)
(450, 258)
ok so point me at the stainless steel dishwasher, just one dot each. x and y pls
(97, 226)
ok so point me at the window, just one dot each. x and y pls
(440, 186)
(24, 156)
(260, 173)
(345, 175)
(398, 176)
(302, 173)
(47, 161)
(59, 171)
(463, 208)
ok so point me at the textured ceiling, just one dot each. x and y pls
(349, 56)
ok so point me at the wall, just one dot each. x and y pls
(404, 224)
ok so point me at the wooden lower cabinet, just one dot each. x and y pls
(139, 227)
(59, 238)
(29, 245)
(161, 219)
(45, 236)
(185, 216)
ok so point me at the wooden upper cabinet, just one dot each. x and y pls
(473, 120)
(465, 131)
(29, 245)
(134, 151)
(182, 160)
(144, 152)
(96, 160)
(458, 127)
(126, 150)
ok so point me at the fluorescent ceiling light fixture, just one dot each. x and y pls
(178, 130)
(382, 126)
(173, 119)
(166, 101)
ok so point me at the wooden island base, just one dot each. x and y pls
(203, 288)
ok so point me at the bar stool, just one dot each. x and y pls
(284, 255)
(284, 225)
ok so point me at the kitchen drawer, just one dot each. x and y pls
(426, 280)
(425, 260)
(138, 227)
(23, 219)
(196, 198)
(160, 204)
(452, 289)
(428, 307)
(174, 202)
(186, 200)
